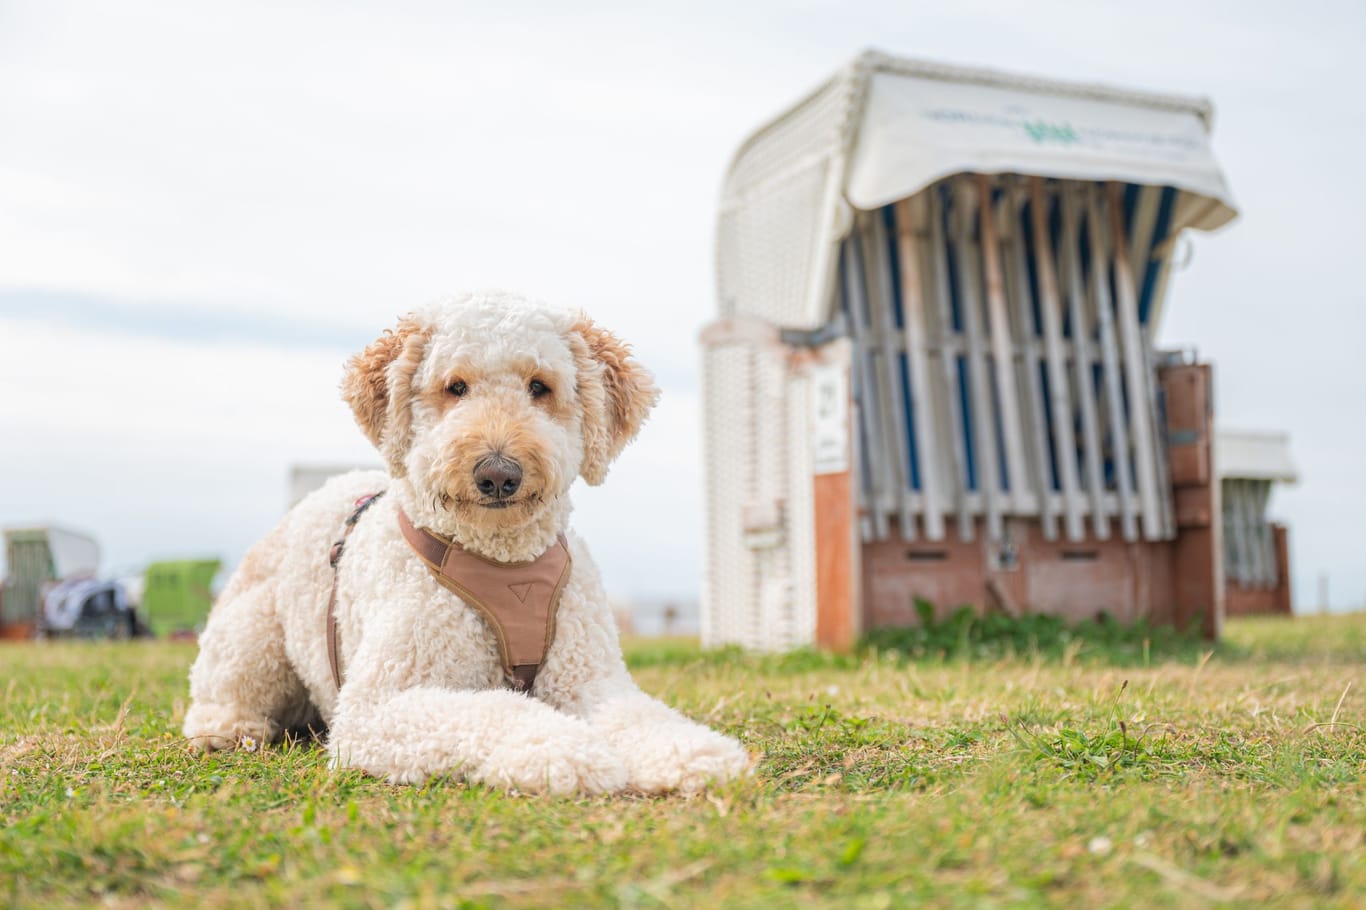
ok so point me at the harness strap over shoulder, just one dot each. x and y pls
(518, 600)
(334, 558)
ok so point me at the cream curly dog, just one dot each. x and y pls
(485, 409)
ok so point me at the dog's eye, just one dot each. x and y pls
(538, 389)
(458, 388)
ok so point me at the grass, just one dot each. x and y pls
(1091, 774)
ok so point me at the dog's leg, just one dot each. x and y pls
(395, 720)
(242, 686)
(664, 751)
(585, 676)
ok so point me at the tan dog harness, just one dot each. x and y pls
(517, 599)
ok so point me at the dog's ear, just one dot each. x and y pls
(615, 393)
(378, 385)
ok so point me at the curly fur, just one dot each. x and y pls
(618, 395)
(423, 692)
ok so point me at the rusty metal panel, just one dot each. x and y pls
(948, 574)
(1078, 581)
(1189, 405)
(1194, 507)
(1198, 593)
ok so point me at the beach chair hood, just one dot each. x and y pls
(884, 128)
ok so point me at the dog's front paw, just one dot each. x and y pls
(211, 728)
(560, 766)
(684, 760)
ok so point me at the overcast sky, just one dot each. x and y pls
(205, 208)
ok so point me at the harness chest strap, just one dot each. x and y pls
(518, 600)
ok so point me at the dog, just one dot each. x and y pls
(485, 408)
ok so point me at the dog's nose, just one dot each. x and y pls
(498, 476)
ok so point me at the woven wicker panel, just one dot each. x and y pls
(730, 590)
(814, 129)
(769, 248)
(800, 513)
(779, 217)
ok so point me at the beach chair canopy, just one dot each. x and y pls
(885, 128)
(1242, 455)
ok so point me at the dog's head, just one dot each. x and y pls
(490, 405)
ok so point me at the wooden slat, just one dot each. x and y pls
(1081, 358)
(1254, 515)
(1140, 245)
(1109, 349)
(894, 431)
(856, 454)
(1021, 304)
(1272, 575)
(1137, 371)
(979, 392)
(1229, 521)
(1254, 550)
(1165, 253)
(1255, 525)
(1158, 249)
(1060, 403)
(938, 261)
(1166, 495)
(1002, 354)
(1241, 544)
(866, 389)
(918, 368)
(1268, 534)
